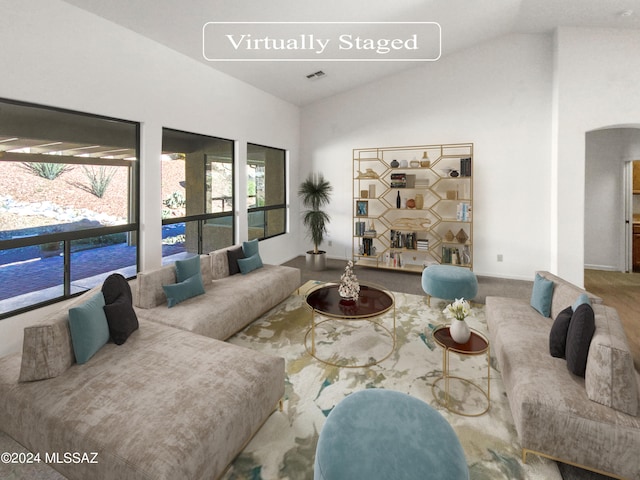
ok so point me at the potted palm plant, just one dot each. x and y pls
(315, 193)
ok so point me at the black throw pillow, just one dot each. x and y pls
(121, 317)
(558, 334)
(114, 286)
(581, 330)
(233, 254)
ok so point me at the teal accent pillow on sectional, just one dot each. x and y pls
(250, 264)
(581, 300)
(250, 248)
(89, 328)
(179, 292)
(187, 268)
(541, 295)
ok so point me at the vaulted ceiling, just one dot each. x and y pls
(179, 25)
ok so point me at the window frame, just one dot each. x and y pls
(265, 208)
(67, 237)
(202, 218)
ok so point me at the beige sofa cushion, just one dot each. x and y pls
(149, 292)
(47, 350)
(220, 263)
(610, 377)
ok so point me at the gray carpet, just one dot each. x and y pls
(408, 282)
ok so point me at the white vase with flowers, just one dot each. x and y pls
(457, 312)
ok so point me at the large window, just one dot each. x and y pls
(266, 195)
(197, 194)
(68, 203)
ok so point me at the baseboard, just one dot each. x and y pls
(503, 276)
(606, 268)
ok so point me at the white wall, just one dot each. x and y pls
(596, 85)
(607, 151)
(57, 55)
(496, 95)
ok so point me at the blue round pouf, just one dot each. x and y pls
(381, 434)
(449, 282)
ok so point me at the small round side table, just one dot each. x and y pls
(477, 344)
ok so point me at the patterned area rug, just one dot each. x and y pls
(285, 447)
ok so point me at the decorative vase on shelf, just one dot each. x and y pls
(398, 200)
(462, 236)
(460, 331)
(425, 162)
(395, 163)
(466, 255)
(419, 201)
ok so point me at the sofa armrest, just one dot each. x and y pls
(220, 263)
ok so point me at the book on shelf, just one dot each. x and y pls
(463, 212)
(465, 167)
(454, 256)
(395, 260)
(367, 247)
(399, 239)
(422, 244)
(360, 228)
(398, 180)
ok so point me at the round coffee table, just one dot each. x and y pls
(372, 303)
(477, 344)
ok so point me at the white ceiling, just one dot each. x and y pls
(178, 24)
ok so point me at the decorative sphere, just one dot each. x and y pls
(411, 203)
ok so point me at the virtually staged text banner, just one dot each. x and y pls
(326, 41)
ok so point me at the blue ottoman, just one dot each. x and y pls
(449, 282)
(381, 434)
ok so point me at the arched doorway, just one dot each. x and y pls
(607, 237)
(609, 205)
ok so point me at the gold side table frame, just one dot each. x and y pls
(370, 318)
(477, 345)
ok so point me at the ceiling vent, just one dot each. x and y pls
(316, 75)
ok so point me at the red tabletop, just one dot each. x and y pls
(476, 344)
(372, 301)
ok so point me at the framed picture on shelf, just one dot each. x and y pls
(362, 208)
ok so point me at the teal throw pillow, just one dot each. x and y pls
(541, 295)
(179, 292)
(187, 268)
(250, 264)
(89, 328)
(250, 248)
(583, 299)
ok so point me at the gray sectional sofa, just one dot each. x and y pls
(230, 302)
(168, 403)
(591, 422)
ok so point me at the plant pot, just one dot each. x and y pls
(317, 261)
